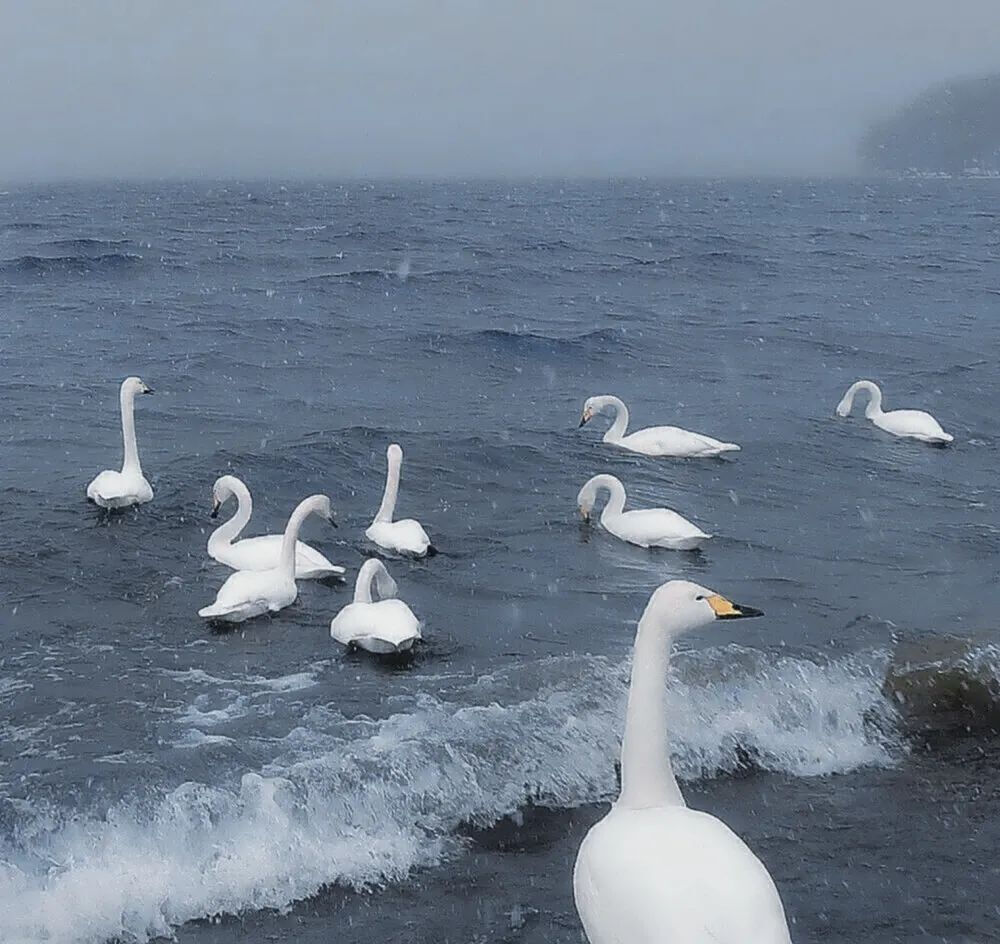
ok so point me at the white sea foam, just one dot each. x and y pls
(363, 802)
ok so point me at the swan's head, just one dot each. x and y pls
(320, 505)
(225, 486)
(591, 406)
(394, 453)
(679, 606)
(844, 407)
(133, 385)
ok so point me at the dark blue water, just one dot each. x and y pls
(154, 772)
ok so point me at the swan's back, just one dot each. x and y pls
(674, 441)
(407, 536)
(915, 423)
(385, 626)
(112, 489)
(264, 553)
(249, 593)
(670, 874)
(656, 526)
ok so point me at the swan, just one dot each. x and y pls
(915, 424)
(248, 593)
(384, 626)
(650, 527)
(261, 553)
(406, 536)
(655, 440)
(129, 487)
(653, 870)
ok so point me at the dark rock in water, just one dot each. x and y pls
(951, 128)
(944, 683)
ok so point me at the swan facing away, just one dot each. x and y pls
(653, 870)
(129, 487)
(655, 440)
(260, 553)
(402, 537)
(649, 527)
(914, 424)
(249, 593)
(384, 626)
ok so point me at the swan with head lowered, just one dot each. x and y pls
(249, 593)
(385, 625)
(402, 537)
(654, 440)
(260, 553)
(654, 871)
(648, 527)
(129, 487)
(912, 424)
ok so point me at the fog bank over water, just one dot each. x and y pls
(461, 87)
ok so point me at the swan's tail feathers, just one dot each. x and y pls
(692, 543)
(220, 611)
(729, 447)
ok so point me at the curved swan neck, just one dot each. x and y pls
(228, 531)
(620, 424)
(312, 505)
(394, 462)
(371, 578)
(647, 774)
(130, 461)
(616, 494)
(874, 407)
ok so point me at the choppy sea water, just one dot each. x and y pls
(157, 777)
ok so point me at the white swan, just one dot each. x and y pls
(653, 870)
(384, 626)
(655, 440)
(260, 553)
(914, 424)
(248, 593)
(403, 537)
(129, 487)
(649, 527)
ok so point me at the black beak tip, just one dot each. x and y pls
(333, 521)
(215, 512)
(148, 391)
(583, 422)
(749, 611)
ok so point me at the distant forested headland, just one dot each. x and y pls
(952, 128)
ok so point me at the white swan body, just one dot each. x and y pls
(913, 424)
(112, 489)
(249, 593)
(649, 527)
(655, 440)
(383, 626)
(402, 537)
(653, 871)
(260, 553)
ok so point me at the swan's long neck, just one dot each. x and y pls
(286, 563)
(388, 506)
(874, 407)
(130, 463)
(228, 531)
(618, 427)
(647, 775)
(373, 576)
(616, 497)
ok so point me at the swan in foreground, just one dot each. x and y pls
(385, 625)
(915, 424)
(248, 593)
(261, 553)
(649, 527)
(129, 487)
(652, 870)
(655, 440)
(403, 537)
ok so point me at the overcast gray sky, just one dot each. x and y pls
(145, 88)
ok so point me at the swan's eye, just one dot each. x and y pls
(701, 596)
